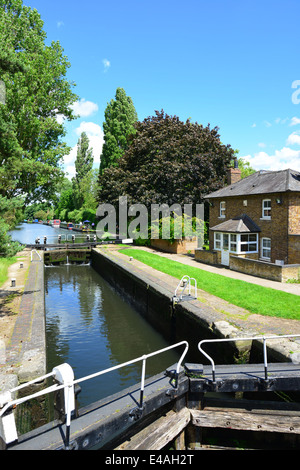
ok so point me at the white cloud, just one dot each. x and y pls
(262, 145)
(280, 160)
(96, 139)
(60, 23)
(293, 139)
(84, 108)
(106, 64)
(281, 121)
(294, 121)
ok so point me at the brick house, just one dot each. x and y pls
(257, 217)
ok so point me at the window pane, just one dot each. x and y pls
(252, 247)
(225, 241)
(244, 238)
(266, 243)
(252, 238)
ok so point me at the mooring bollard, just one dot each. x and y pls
(21, 265)
(13, 283)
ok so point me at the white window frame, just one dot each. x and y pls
(222, 214)
(249, 242)
(266, 209)
(266, 248)
(236, 242)
(218, 240)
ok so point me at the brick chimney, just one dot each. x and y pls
(234, 174)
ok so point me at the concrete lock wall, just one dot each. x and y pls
(183, 321)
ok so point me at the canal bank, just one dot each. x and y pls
(23, 351)
(22, 322)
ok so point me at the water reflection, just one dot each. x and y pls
(27, 233)
(89, 326)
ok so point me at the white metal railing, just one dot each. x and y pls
(264, 339)
(35, 251)
(65, 376)
(185, 283)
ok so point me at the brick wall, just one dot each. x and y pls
(178, 246)
(294, 214)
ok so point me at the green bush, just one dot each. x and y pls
(8, 248)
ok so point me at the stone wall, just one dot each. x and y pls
(265, 270)
(208, 256)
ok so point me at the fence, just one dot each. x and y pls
(64, 375)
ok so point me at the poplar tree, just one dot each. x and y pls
(83, 165)
(120, 116)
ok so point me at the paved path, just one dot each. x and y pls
(190, 261)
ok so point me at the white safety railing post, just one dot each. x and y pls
(8, 430)
(143, 382)
(64, 375)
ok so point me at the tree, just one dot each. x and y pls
(83, 165)
(120, 116)
(37, 92)
(167, 161)
(245, 168)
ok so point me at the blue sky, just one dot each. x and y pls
(231, 63)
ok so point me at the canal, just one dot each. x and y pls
(92, 328)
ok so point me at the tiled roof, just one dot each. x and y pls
(240, 224)
(261, 182)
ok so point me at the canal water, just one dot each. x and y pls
(27, 233)
(92, 328)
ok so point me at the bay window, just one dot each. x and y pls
(238, 243)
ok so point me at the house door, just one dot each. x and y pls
(225, 250)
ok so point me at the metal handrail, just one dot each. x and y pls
(69, 384)
(186, 282)
(263, 338)
(31, 257)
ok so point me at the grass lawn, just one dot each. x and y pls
(4, 265)
(254, 298)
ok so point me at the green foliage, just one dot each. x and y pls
(37, 91)
(11, 210)
(167, 161)
(4, 265)
(245, 168)
(83, 164)
(175, 227)
(8, 248)
(65, 205)
(120, 116)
